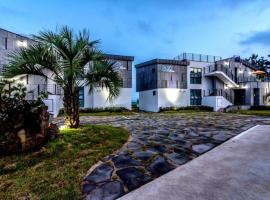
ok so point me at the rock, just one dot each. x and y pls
(202, 148)
(132, 177)
(88, 187)
(221, 137)
(108, 191)
(122, 161)
(178, 159)
(157, 148)
(100, 174)
(160, 166)
(144, 155)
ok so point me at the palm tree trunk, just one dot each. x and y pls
(71, 107)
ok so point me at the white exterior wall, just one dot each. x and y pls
(172, 97)
(148, 102)
(100, 99)
(217, 102)
(54, 103)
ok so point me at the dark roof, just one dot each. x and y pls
(119, 57)
(162, 61)
(16, 34)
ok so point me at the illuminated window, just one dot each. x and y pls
(195, 75)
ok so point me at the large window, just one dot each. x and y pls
(3, 42)
(195, 75)
(195, 97)
(81, 96)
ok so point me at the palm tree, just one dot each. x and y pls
(71, 61)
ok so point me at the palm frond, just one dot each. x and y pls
(102, 75)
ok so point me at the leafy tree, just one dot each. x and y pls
(70, 60)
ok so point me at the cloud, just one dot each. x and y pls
(144, 27)
(261, 38)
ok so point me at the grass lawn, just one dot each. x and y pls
(56, 171)
(253, 112)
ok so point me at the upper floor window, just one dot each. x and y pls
(195, 75)
(3, 42)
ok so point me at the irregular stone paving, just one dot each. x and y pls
(159, 143)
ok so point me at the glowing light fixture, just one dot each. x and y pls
(62, 127)
(226, 63)
(21, 43)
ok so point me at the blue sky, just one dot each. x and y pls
(150, 29)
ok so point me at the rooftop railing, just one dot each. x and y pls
(198, 57)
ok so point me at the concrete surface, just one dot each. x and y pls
(239, 169)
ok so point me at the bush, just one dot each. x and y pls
(260, 108)
(22, 122)
(197, 108)
(98, 110)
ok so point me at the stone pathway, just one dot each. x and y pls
(159, 143)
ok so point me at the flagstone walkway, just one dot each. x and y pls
(159, 143)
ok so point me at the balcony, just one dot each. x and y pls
(223, 73)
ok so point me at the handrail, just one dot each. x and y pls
(219, 92)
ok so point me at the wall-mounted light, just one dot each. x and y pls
(226, 63)
(21, 43)
(240, 71)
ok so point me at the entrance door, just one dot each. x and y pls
(256, 96)
(239, 97)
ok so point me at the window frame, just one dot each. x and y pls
(195, 97)
(195, 75)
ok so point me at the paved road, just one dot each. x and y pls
(239, 169)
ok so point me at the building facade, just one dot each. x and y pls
(36, 85)
(194, 79)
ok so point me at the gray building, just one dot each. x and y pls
(9, 42)
(35, 85)
(199, 80)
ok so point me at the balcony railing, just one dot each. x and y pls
(218, 92)
(197, 57)
(35, 90)
(222, 68)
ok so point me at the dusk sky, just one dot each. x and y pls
(150, 29)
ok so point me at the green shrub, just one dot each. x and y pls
(260, 108)
(198, 108)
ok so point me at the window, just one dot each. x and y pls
(3, 42)
(154, 93)
(153, 70)
(195, 76)
(177, 84)
(195, 97)
(81, 96)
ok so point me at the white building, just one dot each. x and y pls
(36, 85)
(194, 79)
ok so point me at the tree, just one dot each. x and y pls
(71, 61)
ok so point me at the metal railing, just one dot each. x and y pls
(35, 90)
(218, 92)
(222, 68)
(197, 57)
